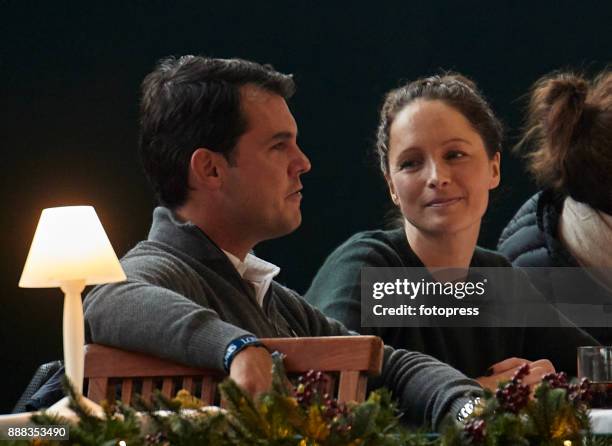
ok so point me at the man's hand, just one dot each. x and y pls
(504, 370)
(251, 369)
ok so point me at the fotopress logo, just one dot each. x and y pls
(421, 294)
(412, 289)
(480, 297)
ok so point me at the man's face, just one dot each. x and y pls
(262, 186)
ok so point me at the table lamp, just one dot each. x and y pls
(70, 250)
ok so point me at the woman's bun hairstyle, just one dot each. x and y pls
(456, 91)
(569, 131)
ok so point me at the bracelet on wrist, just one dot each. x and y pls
(236, 346)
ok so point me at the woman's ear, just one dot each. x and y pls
(392, 193)
(495, 171)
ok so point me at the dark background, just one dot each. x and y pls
(69, 79)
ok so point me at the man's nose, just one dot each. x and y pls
(438, 174)
(301, 163)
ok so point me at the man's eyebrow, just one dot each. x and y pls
(282, 136)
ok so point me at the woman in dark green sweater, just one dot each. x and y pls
(439, 147)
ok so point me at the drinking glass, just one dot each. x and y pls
(595, 363)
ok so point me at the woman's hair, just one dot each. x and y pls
(569, 127)
(456, 91)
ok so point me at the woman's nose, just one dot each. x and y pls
(438, 175)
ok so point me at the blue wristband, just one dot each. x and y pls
(236, 346)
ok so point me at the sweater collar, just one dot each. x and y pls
(480, 258)
(183, 235)
(548, 213)
(256, 271)
(189, 240)
(400, 241)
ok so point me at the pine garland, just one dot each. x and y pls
(555, 415)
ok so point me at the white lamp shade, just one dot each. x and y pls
(70, 244)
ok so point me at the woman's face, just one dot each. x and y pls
(439, 171)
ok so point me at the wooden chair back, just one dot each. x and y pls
(350, 359)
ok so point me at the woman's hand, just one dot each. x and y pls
(505, 370)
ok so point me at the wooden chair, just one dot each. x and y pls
(350, 359)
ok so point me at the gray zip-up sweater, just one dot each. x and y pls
(184, 300)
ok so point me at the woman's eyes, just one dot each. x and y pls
(409, 164)
(455, 154)
(413, 164)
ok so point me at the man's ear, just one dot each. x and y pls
(392, 193)
(204, 169)
(495, 171)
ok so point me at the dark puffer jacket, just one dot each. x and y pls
(530, 240)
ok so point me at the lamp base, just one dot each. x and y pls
(74, 332)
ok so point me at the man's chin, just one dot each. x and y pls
(285, 228)
(292, 225)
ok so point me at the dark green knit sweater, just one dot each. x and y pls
(336, 291)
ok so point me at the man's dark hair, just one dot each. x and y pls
(191, 102)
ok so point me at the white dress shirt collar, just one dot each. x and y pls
(256, 271)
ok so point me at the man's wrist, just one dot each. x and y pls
(468, 409)
(236, 346)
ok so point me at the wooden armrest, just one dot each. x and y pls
(353, 357)
(128, 364)
(330, 353)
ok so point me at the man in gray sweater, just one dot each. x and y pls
(218, 144)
